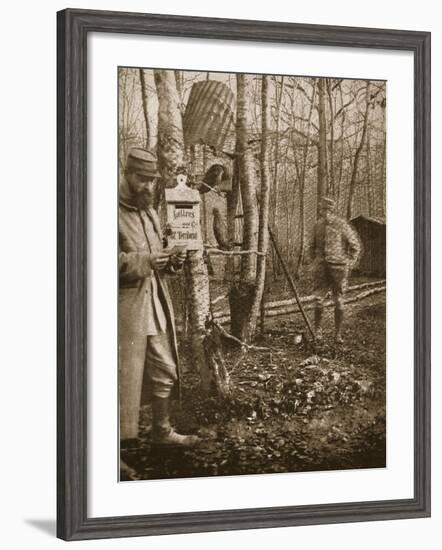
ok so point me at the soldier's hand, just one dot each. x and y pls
(179, 257)
(159, 261)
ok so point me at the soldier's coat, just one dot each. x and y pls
(336, 242)
(139, 237)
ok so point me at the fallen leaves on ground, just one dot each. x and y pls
(291, 408)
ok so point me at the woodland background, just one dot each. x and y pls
(321, 129)
(263, 150)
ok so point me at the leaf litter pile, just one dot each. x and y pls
(291, 409)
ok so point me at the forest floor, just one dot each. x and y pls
(292, 408)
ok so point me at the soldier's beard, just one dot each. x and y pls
(143, 200)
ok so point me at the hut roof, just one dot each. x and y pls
(372, 219)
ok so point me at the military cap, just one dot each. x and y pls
(142, 162)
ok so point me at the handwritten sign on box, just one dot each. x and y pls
(183, 215)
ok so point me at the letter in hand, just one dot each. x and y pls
(178, 255)
(159, 261)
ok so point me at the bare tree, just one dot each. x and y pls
(342, 114)
(322, 144)
(277, 121)
(302, 181)
(145, 102)
(359, 147)
(130, 129)
(331, 156)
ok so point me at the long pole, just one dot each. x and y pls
(288, 277)
(292, 284)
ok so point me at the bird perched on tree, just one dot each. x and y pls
(212, 178)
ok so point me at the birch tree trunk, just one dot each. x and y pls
(179, 87)
(170, 147)
(198, 299)
(275, 197)
(171, 157)
(241, 294)
(332, 189)
(322, 145)
(302, 181)
(263, 234)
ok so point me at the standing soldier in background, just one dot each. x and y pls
(336, 250)
(147, 338)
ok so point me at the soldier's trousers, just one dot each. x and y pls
(155, 355)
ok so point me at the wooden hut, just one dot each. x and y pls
(371, 231)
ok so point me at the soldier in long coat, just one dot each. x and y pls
(147, 337)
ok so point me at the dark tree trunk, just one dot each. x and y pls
(354, 171)
(232, 263)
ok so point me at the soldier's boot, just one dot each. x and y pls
(127, 473)
(319, 313)
(339, 321)
(162, 431)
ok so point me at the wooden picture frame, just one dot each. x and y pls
(73, 28)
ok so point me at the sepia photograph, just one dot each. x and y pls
(252, 273)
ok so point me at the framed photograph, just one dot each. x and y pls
(243, 274)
